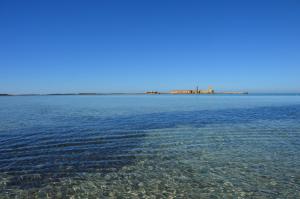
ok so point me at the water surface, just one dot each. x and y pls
(160, 146)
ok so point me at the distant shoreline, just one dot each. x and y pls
(70, 94)
(105, 94)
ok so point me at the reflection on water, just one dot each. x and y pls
(131, 147)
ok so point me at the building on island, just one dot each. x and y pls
(196, 91)
(182, 92)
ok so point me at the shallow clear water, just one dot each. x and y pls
(157, 146)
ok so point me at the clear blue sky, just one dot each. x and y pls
(127, 46)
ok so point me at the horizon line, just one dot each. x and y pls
(134, 93)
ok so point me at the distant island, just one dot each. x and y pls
(1, 94)
(210, 90)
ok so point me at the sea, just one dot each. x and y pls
(150, 146)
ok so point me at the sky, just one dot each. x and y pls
(58, 46)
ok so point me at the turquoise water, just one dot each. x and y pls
(158, 146)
